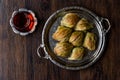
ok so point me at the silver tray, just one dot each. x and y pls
(48, 43)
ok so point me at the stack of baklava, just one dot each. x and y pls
(74, 36)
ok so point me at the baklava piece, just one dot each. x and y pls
(77, 53)
(90, 41)
(62, 34)
(63, 49)
(77, 38)
(70, 20)
(83, 25)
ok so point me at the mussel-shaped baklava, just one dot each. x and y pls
(90, 41)
(63, 49)
(77, 53)
(77, 38)
(62, 34)
(70, 20)
(83, 25)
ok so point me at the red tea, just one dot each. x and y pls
(23, 21)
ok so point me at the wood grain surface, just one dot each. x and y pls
(18, 58)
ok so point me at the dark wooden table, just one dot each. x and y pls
(18, 58)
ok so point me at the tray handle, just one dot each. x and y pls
(41, 46)
(108, 23)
